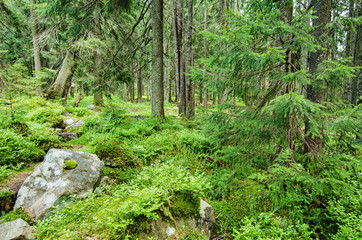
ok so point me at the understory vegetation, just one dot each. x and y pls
(250, 166)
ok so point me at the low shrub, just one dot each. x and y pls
(41, 135)
(267, 226)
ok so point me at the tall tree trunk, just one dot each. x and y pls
(157, 59)
(357, 61)
(286, 9)
(304, 55)
(223, 96)
(125, 92)
(139, 83)
(181, 59)
(349, 51)
(190, 107)
(175, 29)
(98, 85)
(60, 87)
(314, 93)
(131, 91)
(34, 32)
(205, 103)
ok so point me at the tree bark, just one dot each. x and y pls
(98, 90)
(357, 61)
(190, 107)
(181, 59)
(60, 87)
(314, 93)
(77, 101)
(205, 103)
(157, 59)
(34, 32)
(175, 29)
(349, 51)
(139, 84)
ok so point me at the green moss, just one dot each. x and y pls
(70, 164)
(15, 214)
(185, 205)
(115, 153)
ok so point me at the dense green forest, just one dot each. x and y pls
(253, 106)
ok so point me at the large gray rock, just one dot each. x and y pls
(203, 224)
(52, 180)
(17, 229)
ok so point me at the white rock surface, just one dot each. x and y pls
(50, 180)
(17, 229)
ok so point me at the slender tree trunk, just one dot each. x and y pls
(139, 83)
(60, 87)
(349, 50)
(232, 100)
(314, 93)
(304, 56)
(286, 9)
(205, 52)
(223, 96)
(357, 61)
(34, 32)
(157, 59)
(190, 107)
(125, 92)
(175, 29)
(98, 84)
(182, 84)
(131, 91)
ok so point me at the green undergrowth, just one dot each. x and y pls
(15, 214)
(254, 170)
(127, 209)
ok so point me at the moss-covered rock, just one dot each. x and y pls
(185, 205)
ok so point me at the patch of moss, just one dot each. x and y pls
(185, 205)
(70, 164)
(15, 214)
(116, 154)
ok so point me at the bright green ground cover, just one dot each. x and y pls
(259, 188)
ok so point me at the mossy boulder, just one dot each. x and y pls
(51, 180)
(185, 205)
(196, 226)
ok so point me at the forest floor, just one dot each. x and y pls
(257, 191)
